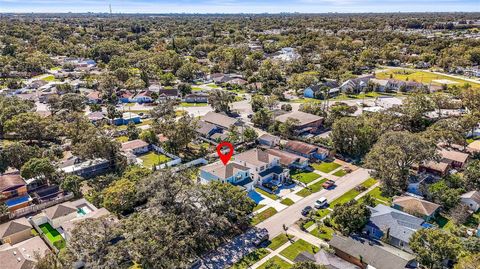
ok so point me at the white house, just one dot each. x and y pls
(471, 199)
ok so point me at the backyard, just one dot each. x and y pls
(53, 235)
(152, 159)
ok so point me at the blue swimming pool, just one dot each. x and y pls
(17, 201)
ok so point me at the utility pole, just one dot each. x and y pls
(110, 7)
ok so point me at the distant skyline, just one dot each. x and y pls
(239, 6)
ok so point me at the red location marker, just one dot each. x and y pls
(225, 157)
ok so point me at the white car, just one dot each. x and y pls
(320, 203)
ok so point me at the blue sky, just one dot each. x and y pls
(238, 6)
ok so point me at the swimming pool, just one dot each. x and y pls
(84, 210)
(17, 201)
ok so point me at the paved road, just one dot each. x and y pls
(291, 214)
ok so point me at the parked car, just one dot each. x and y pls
(320, 203)
(306, 210)
(328, 184)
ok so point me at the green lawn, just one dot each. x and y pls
(348, 196)
(323, 212)
(287, 201)
(49, 78)
(250, 259)
(340, 173)
(278, 241)
(419, 76)
(184, 104)
(304, 177)
(264, 193)
(53, 235)
(369, 182)
(323, 232)
(267, 213)
(275, 262)
(473, 220)
(292, 251)
(122, 139)
(380, 199)
(316, 187)
(213, 85)
(196, 89)
(326, 167)
(258, 207)
(152, 159)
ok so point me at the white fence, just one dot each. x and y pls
(175, 159)
(35, 208)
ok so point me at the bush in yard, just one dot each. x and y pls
(350, 217)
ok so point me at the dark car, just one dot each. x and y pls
(328, 184)
(306, 210)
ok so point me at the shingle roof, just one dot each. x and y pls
(372, 253)
(224, 171)
(415, 205)
(134, 144)
(60, 210)
(454, 155)
(286, 158)
(302, 147)
(14, 259)
(204, 127)
(11, 180)
(219, 119)
(302, 117)
(254, 157)
(14, 226)
(402, 225)
(474, 195)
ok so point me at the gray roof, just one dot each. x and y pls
(402, 225)
(204, 127)
(219, 119)
(224, 171)
(302, 117)
(372, 252)
(14, 226)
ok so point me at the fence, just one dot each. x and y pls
(175, 159)
(192, 163)
(35, 208)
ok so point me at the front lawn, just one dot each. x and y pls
(122, 139)
(257, 207)
(304, 177)
(184, 104)
(49, 78)
(152, 159)
(369, 182)
(380, 199)
(292, 251)
(214, 86)
(348, 196)
(340, 173)
(265, 193)
(287, 202)
(250, 259)
(326, 167)
(278, 241)
(196, 89)
(323, 232)
(265, 214)
(323, 212)
(316, 187)
(275, 262)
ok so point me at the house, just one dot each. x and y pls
(125, 96)
(136, 147)
(23, 254)
(398, 226)
(416, 206)
(394, 85)
(356, 85)
(306, 150)
(238, 81)
(367, 253)
(14, 191)
(311, 92)
(168, 94)
(220, 120)
(474, 147)
(269, 140)
(286, 54)
(471, 199)
(207, 129)
(290, 160)
(89, 168)
(96, 116)
(233, 173)
(264, 167)
(306, 122)
(143, 97)
(196, 98)
(15, 231)
(95, 213)
(126, 118)
(434, 168)
(380, 85)
(94, 97)
(455, 158)
(329, 260)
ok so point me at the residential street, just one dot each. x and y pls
(291, 214)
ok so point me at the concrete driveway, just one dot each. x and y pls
(290, 215)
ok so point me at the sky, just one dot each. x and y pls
(238, 6)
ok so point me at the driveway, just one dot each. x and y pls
(290, 215)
